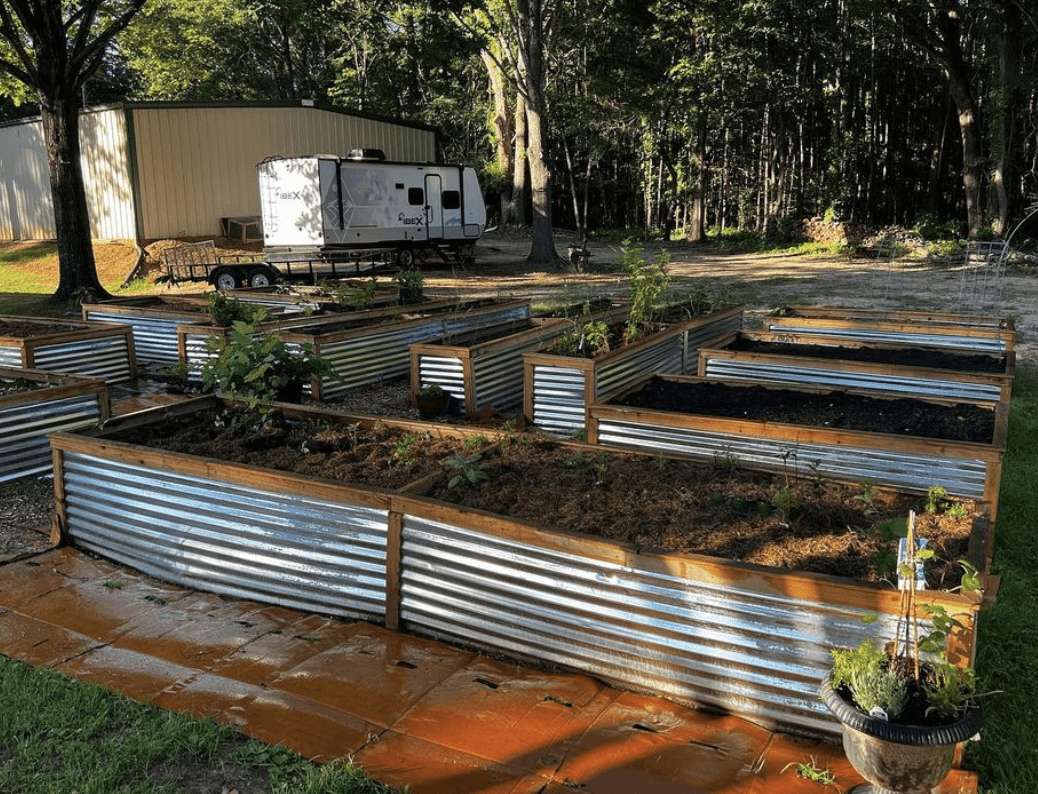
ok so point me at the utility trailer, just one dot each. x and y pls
(330, 205)
(200, 262)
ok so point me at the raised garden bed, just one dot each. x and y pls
(32, 405)
(748, 638)
(154, 320)
(708, 420)
(971, 333)
(823, 361)
(89, 349)
(343, 295)
(560, 390)
(486, 371)
(373, 352)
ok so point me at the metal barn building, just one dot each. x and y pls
(160, 170)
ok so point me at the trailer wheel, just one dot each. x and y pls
(405, 258)
(225, 278)
(261, 277)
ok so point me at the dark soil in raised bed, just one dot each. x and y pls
(767, 519)
(16, 329)
(904, 357)
(831, 409)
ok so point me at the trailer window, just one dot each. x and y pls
(451, 199)
(415, 196)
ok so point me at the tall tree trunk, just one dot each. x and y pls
(502, 126)
(520, 172)
(77, 273)
(531, 22)
(1004, 171)
(696, 230)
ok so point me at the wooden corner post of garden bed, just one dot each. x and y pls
(394, 539)
(59, 525)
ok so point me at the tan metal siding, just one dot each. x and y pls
(26, 209)
(106, 175)
(197, 165)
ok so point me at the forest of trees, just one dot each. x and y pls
(662, 116)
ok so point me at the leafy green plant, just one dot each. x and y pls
(475, 442)
(935, 498)
(646, 283)
(889, 679)
(259, 368)
(786, 502)
(810, 771)
(467, 470)
(226, 311)
(411, 284)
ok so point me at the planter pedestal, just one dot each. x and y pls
(897, 759)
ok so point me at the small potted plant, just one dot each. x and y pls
(261, 368)
(904, 708)
(410, 284)
(431, 401)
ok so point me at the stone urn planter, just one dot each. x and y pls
(897, 759)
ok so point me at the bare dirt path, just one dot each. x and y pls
(761, 282)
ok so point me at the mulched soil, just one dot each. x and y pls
(831, 409)
(650, 502)
(20, 330)
(905, 357)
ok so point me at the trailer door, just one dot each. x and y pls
(434, 206)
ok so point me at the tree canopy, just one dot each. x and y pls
(663, 117)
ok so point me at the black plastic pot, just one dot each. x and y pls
(898, 759)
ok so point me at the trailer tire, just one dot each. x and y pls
(225, 278)
(261, 277)
(405, 258)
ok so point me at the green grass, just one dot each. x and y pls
(62, 736)
(1007, 657)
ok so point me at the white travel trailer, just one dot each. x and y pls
(327, 204)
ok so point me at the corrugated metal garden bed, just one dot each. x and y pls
(932, 329)
(560, 390)
(820, 360)
(749, 639)
(89, 349)
(154, 320)
(32, 405)
(486, 371)
(909, 463)
(340, 295)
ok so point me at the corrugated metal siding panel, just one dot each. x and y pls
(758, 655)
(701, 335)
(279, 548)
(11, 356)
(26, 205)
(24, 446)
(953, 341)
(498, 373)
(726, 368)
(106, 175)
(444, 371)
(905, 470)
(371, 358)
(659, 358)
(154, 338)
(559, 399)
(106, 358)
(197, 165)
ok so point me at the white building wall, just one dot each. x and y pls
(26, 211)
